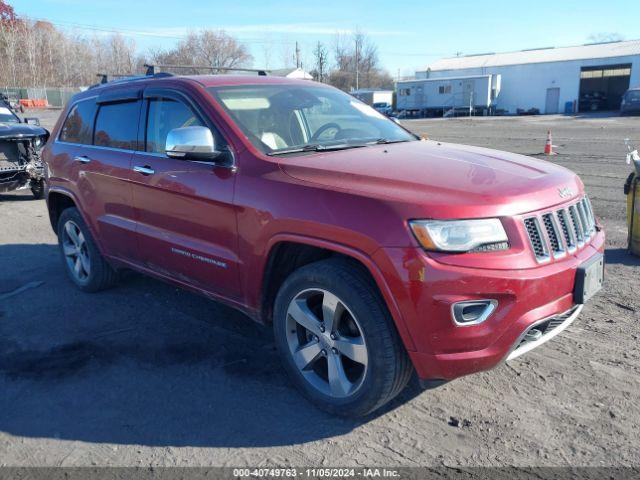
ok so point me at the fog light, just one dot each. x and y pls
(472, 312)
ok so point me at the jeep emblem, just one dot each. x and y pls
(565, 192)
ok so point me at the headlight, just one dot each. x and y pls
(459, 235)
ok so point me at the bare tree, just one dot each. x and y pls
(321, 60)
(357, 64)
(205, 48)
(9, 42)
(120, 55)
(288, 53)
(267, 51)
(36, 54)
(7, 14)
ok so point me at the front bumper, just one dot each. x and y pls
(425, 289)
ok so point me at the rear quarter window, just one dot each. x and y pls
(117, 125)
(78, 126)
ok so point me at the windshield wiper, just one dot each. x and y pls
(384, 141)
(316, 148)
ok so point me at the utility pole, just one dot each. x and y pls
(357, 63)
(297, 55)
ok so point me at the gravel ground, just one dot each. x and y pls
(146, 374)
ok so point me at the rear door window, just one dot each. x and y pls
(78, 126)
(117, 125)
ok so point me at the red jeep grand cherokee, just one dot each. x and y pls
(373, 253)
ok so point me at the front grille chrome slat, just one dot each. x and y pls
(565, 224)
(586, 229)
(553, 234)
(558, 232)
(577, 226)
(591, 221)
(538, 242)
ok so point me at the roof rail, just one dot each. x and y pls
(121, 77)
(110, 77)
(151, 69)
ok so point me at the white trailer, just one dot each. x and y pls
(374, 96)
(448, 96)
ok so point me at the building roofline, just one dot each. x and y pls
(541, 49)
(437, 79)
(537, 55)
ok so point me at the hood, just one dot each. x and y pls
(10, 131)
(438, 179)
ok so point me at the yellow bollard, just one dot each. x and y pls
(632, 190)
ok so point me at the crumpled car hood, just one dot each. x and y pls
(9, 131)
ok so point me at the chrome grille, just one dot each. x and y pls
(535, 236)
(565, 224)
(586, 230)
(577, 226)
(564, 230)
(552, 234)
(590, 219)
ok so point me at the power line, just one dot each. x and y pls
(143, 33)
(131, 32)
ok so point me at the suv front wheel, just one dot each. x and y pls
(337, 339)
(84, 263)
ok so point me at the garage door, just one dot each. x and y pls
(602, 87)
(553, 99)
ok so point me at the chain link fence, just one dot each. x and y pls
(55, 97)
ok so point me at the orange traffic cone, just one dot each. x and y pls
(548, 147)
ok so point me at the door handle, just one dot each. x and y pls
(145, 170)
(82, 159)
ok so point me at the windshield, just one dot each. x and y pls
(281, 119)
(6, 116)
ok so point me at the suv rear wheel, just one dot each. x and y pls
(337, 339)
(83, 261)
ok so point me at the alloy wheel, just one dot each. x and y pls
(76, 253)
(327, 343)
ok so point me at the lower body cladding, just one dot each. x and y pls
(521, 308)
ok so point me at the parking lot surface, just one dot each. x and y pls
(146, 374)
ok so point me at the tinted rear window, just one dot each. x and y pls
(78, 126)
(117, 125)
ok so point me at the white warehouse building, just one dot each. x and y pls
(549, 80)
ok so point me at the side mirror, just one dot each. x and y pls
(32, 121)
(191, 143)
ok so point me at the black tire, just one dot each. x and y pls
(37, 189)
(101, 275)
(388, 369)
